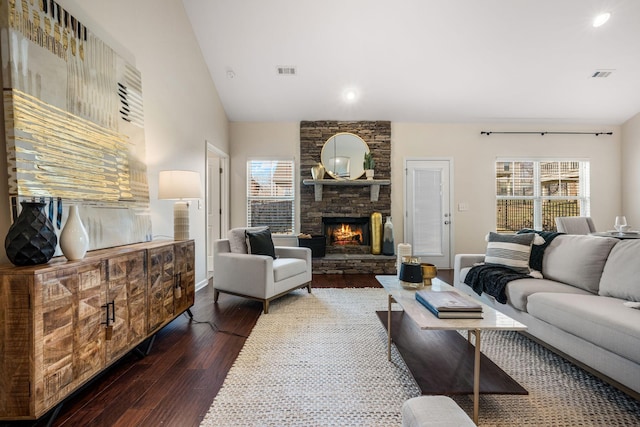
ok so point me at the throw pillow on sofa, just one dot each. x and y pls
(260, 243)
(510, 250)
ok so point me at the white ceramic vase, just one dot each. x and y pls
(74, 240)
(369, 173)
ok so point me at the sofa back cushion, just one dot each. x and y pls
(621, 275)
(577, 260)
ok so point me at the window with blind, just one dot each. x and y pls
(270, 195)
(531, 193)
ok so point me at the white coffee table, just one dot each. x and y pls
(425, 320)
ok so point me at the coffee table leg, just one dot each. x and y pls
(476, 378)
(389, 328)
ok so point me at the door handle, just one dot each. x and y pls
(447, 222)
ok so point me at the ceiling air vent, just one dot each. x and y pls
(602, 73)
(286, 70)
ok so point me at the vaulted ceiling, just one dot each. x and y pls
(422, 60)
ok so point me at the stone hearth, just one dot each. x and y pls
(350, 201)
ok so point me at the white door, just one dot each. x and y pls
(216, 200)
(428, 210)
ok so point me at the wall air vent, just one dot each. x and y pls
(602, 73)
(286, 70)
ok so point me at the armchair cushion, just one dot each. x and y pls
(260, 243)
(238, 239)
(283, 268)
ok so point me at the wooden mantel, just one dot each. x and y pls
(373, 184)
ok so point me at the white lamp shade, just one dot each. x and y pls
(179, 185)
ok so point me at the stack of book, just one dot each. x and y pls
(449, 305)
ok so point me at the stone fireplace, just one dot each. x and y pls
(345, 205)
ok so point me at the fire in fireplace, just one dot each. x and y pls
(346, 231)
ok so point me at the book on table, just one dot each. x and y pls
(449, 305)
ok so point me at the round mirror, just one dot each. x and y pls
(343, 154)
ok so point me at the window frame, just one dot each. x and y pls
(584, 185)
(286, 197)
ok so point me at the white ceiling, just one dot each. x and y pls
(517, 61)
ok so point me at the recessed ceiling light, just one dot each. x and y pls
(350, 95)
(601, 19)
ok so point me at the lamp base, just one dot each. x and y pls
(181, 220)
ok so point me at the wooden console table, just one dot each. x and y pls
(63, 322)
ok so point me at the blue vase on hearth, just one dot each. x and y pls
(387, 238)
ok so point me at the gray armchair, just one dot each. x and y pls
(575, 224)
(259, 277)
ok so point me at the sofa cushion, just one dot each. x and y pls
(238, 239)
(283, 268)
(518, 291)
(510, 250)
(577, 260)
(603, 321)
(621, 275)
(260, 243)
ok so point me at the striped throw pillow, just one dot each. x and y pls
(510, 250)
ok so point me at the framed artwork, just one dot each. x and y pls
(74, 122)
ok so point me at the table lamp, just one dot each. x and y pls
(182, 186)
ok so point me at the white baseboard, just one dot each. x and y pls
(201, 284)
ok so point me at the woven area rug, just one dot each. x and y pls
(320, 359)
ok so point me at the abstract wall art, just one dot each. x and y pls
(74, 122)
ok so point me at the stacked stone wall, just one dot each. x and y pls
(345, 201)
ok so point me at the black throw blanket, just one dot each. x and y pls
(492, 279)
(537, 251)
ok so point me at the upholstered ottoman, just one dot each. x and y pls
(437, 411)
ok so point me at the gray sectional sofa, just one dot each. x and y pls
(578, 307)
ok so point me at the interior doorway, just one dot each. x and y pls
(217, 199)
(428, 225)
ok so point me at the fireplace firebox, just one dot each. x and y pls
(346, 231)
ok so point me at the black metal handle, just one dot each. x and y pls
(106, 322)
(108, 318)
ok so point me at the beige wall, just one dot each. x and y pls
(181, 104)
(473, 158)
(631, 171)
(258, 140)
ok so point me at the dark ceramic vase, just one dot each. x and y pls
(31, 239)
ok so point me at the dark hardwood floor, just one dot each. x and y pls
(175, 384)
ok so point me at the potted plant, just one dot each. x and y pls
(368, 165)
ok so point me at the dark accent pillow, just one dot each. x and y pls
(260, 243)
